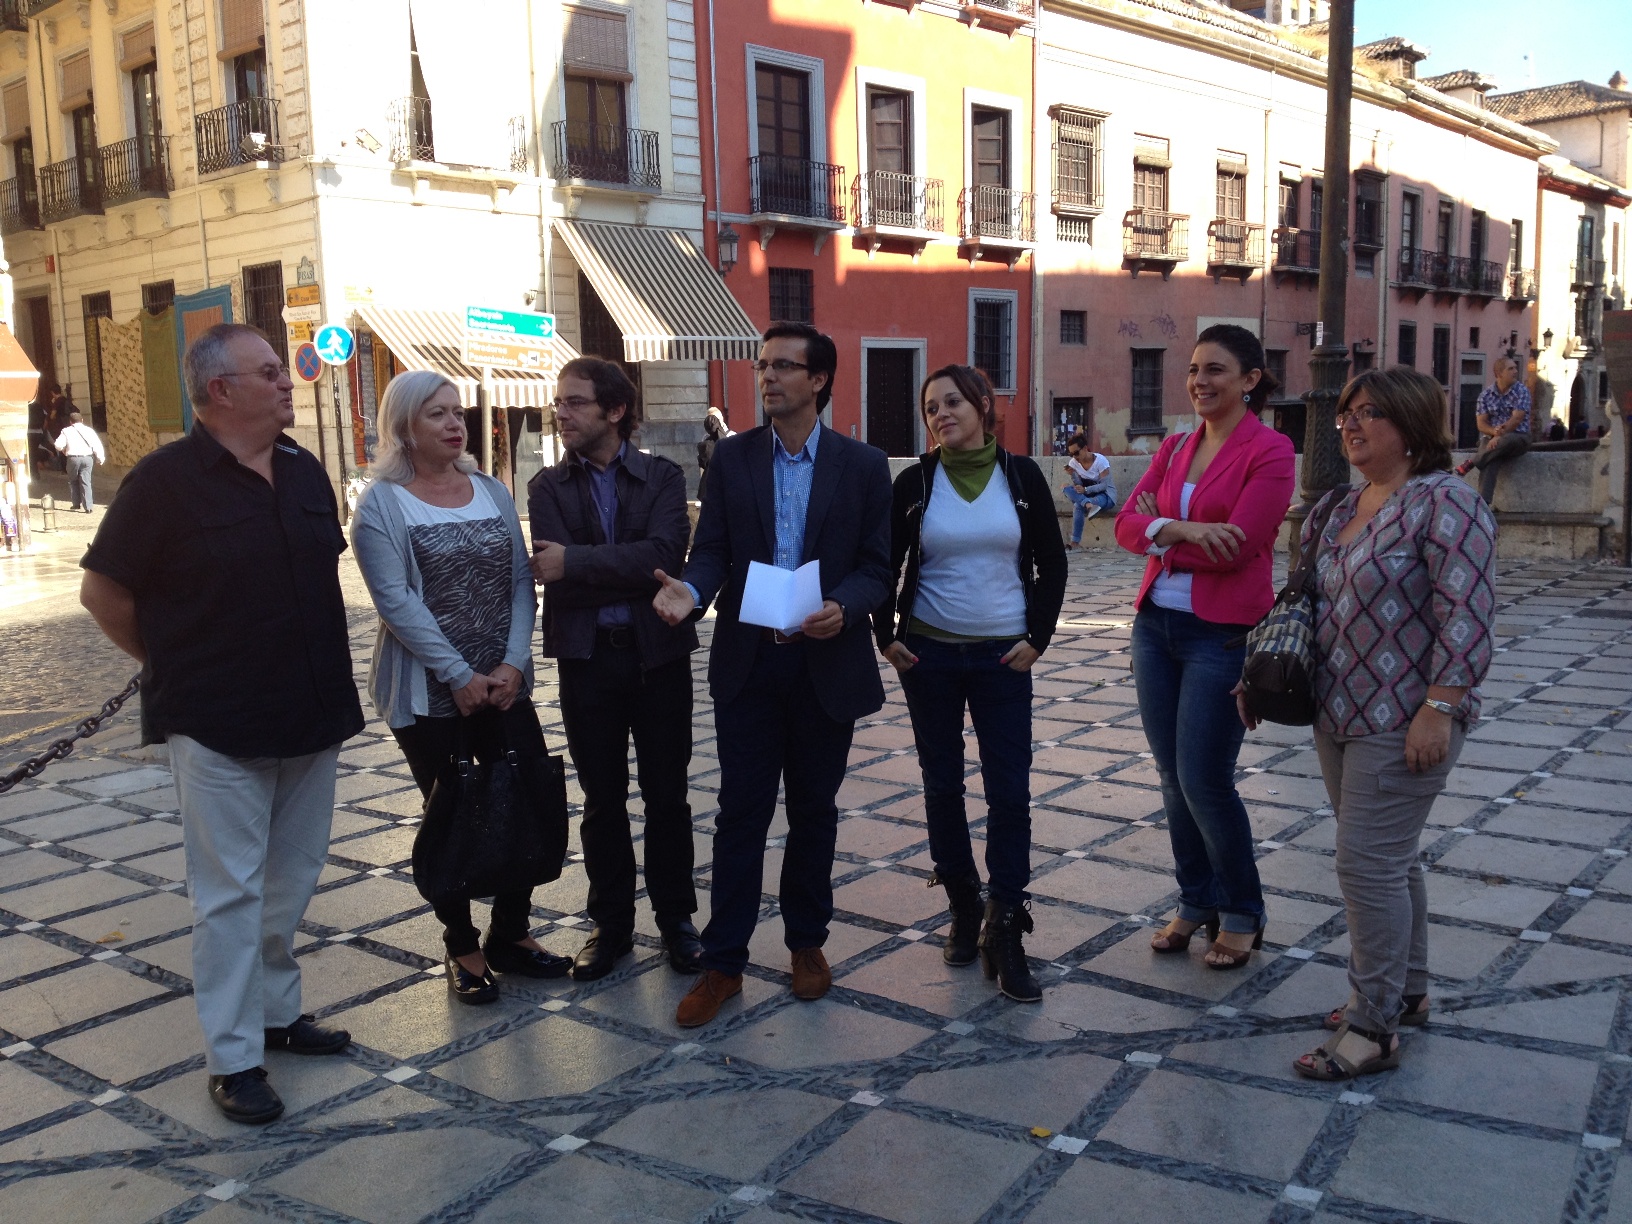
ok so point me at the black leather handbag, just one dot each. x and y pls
(496, 821)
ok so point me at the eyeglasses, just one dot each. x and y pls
(573, 404)
(780, 365)
(1369, 412)
(271, 374)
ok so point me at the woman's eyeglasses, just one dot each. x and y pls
(1367, 412)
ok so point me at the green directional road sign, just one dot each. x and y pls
(520, 326)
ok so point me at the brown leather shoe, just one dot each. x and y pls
(702, 1001)
(811, 976)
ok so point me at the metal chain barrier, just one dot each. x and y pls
(34, 766)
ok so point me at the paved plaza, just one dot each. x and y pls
(1141, 1089)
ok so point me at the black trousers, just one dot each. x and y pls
(606, 699)
(428, 745)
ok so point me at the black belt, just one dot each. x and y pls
(618, 637)
(780, 638)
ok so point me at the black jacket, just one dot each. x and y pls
(1042, 548)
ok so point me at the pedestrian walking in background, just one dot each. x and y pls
(440, 546)
(1404, 604)
(604, 520)
(217, 568)
(785, 704)
(1206, 514)
(81, 450)
(1504, 426)
(714, 428)
(984, 582)
(1090, 488)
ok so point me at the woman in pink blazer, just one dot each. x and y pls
(1206, 515)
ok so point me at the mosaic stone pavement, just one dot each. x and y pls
(1142, 1088)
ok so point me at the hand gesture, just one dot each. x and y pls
(1239, 692)
(1145, 503)
(1020, 657)
(549, 563)
(506, 682)
(829, 622)
(1220, 541)
(673, 601)
(1427, 740)
(899, 656)
(473, 696)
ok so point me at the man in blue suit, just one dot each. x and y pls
(785, 706)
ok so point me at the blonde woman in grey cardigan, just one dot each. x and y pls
(441, 549)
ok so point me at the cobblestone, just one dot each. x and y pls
(1141, 1089)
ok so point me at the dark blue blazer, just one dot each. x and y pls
(847, 528)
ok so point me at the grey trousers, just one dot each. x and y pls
(1381, 809)
(1491, 458)
(256, 832)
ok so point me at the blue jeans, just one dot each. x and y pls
(1184, 674)
(1102, 496)
(947, 677)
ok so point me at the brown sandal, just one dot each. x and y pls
(1411, 1017)
(1176, 941)
(1325, 1063)
(1236, 959)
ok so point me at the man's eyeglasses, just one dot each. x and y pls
(781, 366)
(1369, 412)
(271, 373)
(573, 404)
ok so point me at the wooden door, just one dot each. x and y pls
(891, 401)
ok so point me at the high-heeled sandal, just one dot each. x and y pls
(468, 987)
(1325, 1063)
(1410, 1016)
(1236, 958)
(1179, 941)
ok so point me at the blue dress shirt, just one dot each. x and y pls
(603, 491)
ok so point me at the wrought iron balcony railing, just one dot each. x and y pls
(1485, 278)
(1453, 273)
(1417, 267)
(1234, 244)
(1586, 273)
(996, 214)
(19, 205)
(1296, 250)
(602, 153)
(238, 134)
(1521, 286)
(14, 15)
(135, 168)
(796, 187)
(64, 192)
(408, 125)
(898, 201)
(1000, 12)
(1148, 233)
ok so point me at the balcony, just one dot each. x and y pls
(1453, 274)
(135, 169)
(64, 194)
(1485, 278)
(19, 206)
(1432, 271)
(241, 133)
(1234, 248)
(1586, 274)
(903, 208)
(1297, 252)
(408, 128)
(1521, 287)
(14, 15)
(1416, 270)
(603, 154)
(1154, 241)
(996, 223)
(795, 193)
(1006, 16)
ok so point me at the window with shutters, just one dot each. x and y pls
(1442, 355)
(1286, 213)
(14, 103)
(1515, 246)
(1317, 204)
(991, 335)
(1406, 350)
(1368, 211)
(792, 295)
(1079, 181)
(242, 30)
(76, 82)
(1275, 367)
(889, 131)
(263, 305)
(94, 306)
(597, 44)
(1147, 391)
(137, 48)
(157, 297)
(1445, 230)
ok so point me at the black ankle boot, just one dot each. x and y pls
(1002, 955)
(963, 899)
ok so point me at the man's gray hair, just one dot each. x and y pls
(207, 358)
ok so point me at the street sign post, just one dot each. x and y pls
(525, 326)
(302, 295)
(335, 344)
(504, 353)
(308, 365)
(303, 314)
(508, 339)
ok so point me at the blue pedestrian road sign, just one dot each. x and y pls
(335, 344)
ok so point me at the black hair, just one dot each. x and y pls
(821, 354)
(1249, 353)
(613, 389)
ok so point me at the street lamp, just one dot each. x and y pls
(1546, 339)
(726, 240)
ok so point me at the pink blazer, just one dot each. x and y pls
(1249, 483)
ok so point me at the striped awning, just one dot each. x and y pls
(434, 340)
(666, 299)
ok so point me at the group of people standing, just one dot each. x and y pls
(220, 559)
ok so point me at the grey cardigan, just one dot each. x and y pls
(410, 640)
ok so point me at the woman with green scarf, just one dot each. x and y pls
(984, 581)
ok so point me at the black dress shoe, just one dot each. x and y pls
(307, 1036)
(597, 957)
(505, 957)
(245, 1096)
(684, 946)
(470, 987)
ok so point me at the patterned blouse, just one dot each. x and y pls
(1409, 602)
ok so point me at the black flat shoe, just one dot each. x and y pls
(245, 1096)
(684, 946)
(514, 958)
(602, 951)
(307, 1036)
(468, 987)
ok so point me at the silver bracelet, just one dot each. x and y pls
(1444, 707)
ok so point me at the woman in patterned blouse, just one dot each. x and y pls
(1403, 617)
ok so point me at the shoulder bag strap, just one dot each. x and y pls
(1302, 582)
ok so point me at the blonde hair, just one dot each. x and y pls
(400, 409)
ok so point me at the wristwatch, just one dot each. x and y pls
(1444, 707)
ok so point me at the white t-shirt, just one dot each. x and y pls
(1094, 472)
(1172, 591)
(969, 562)
(422, 514)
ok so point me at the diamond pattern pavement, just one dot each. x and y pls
(1142, 1088)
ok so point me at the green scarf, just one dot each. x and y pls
(970, 470)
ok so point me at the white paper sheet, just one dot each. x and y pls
(779, 598)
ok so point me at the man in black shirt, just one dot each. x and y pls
(217, 569)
